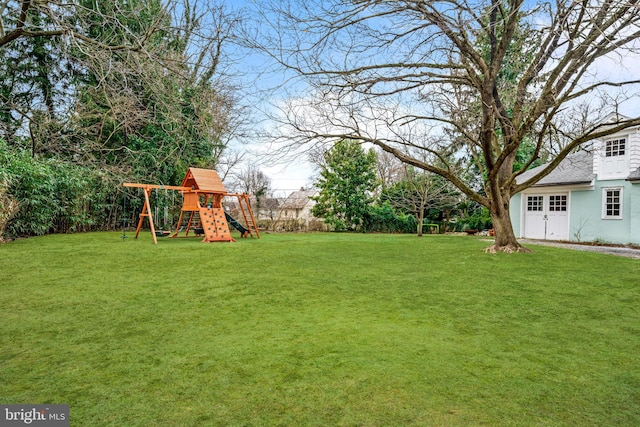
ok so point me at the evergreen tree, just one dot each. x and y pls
(347, 181)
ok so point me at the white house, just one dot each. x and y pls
(590, 196)
(295, 213)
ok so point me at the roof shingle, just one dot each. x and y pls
(576, 168)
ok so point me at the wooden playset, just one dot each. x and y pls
(202, 211)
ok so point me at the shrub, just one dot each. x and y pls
(52, 196)
(8, 205)
(384, 219)
(480, 219)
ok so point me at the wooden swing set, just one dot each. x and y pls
(203, 192)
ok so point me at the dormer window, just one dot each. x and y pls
(615, 147)
(614, 162)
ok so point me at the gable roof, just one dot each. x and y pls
(203, 180)
(576, 168)
(299, 199)
(611, 118)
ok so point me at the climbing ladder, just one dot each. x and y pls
(247, 214)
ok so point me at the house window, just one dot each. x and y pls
(615, 147)
(534, 203)
(557, 203)
(612, 203)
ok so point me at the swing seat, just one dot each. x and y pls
(160, 233)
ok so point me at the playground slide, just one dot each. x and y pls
(232, 221)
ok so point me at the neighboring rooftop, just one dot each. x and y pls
(299, 199)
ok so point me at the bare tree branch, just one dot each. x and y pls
(476, 78)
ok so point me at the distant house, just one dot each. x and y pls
(295, 212)
(590, 196)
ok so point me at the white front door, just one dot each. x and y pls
(534, 222)
(546, 217)
(557, 218)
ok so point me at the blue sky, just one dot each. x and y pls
(253, 73)
(297, 172)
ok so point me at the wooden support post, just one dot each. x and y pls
(146, 212)
(146, 209)
(175, 234)
(191, 214)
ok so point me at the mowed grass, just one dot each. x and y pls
(319, 330)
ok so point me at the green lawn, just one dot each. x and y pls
(319, 329)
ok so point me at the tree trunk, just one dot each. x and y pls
(500, 196)
(505, 238)
(420, 221)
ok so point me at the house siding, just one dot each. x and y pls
(634, 150)
(585, 216)
(634, 213)
(515, 211)
(597, 154)
(587, 224)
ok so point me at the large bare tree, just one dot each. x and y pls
(40, 45)
(458, 78)
(176, 96)
(419, 191)
(134, 86)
